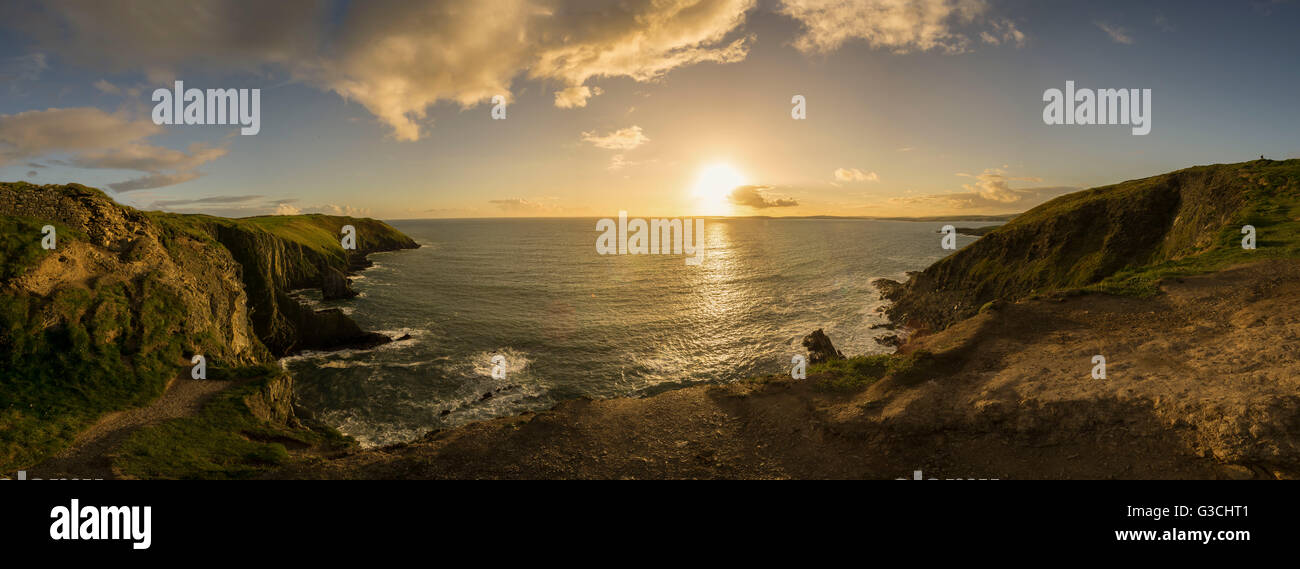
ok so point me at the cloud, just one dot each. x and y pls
(991, 191)
(621, 139)
(21, 68)
(97, 139)
(32, 173)
(1028, 198)
(1003, 31)
(754, 196)
(900, 26)
(855, 175)
(285, 207)
(575, 96)
(993, 185)
(155, 180)
(523, 206)
(114, 36)
(203, 201)
(32, 134)
(1116, 33)
(618, 162)
(398, 58)
(148, 158)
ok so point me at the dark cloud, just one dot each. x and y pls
(753, 196)
(207, 200)
(155, 180)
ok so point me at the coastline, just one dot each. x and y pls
(992, 378)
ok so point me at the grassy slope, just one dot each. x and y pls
(1119, 239)
(111, 346)
(82, 351)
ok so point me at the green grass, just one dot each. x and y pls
(1275, 214)
(111, 347)
(1120, 239)
(113, 342)
(224, 441)
(20, 243)
(861, 371)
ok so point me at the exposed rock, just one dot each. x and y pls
(890, 341)
(820, 348)
(145, 290)
(335, 286)
(886, 286)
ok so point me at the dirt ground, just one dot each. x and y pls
(1201, 382)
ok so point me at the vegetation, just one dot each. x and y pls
(860, 371)
(113, 338)
(224, 441)
(1119, 239)
(111, 347)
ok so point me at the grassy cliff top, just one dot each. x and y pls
(1122, 239)
(105, 320)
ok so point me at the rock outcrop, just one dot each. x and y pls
(127, 298)
(820, 348)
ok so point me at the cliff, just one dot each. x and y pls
(1197, 335)
(1122, 238)
(116, 311)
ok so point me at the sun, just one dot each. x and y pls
(712, 187)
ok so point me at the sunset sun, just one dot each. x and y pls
(712, 186)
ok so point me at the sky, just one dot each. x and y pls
(655, 107)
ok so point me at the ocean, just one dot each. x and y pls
(570, 322)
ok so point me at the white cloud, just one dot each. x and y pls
(855, 175)
(621, 139)
(994, 185)
(575, 96)
(398, 58)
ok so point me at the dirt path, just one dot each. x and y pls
(90, 456)
(1201, 382)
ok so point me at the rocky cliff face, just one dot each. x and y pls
(119, 307)
(1104, 236)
